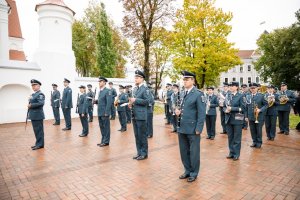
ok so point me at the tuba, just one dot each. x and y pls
(283, 99)
(221, 99)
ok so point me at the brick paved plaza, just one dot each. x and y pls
(75, 168)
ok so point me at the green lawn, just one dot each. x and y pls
(294, 120)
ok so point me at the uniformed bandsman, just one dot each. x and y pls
(192, 118)
(104, 102)
(128, 90)
(150, 110)
(221, 104)
(122, 100)
(139, 103)
(113, 95)
(90, 96)
(83, 109)
(36, 113)
(67, 104)
(168, 103)
(55, 103)
(256, 107)
(235, 110)
(271, 114)
(211, 113)
(175, 100)
(286, 100)
(245, 92)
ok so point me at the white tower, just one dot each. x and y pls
(54, 54)
(4, 41)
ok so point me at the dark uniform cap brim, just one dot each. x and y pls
(35, 82)
(110, 83)
(234, 83)
(270, 86)
(225, 84)
(121, 87)
(187, 74)
(139, 73)
(210, 88)
(253, 85)
(82, 86)
(283, 84)
(54, 85)
(101, 78)
(89, 85)
(66, 80)
(175, 85)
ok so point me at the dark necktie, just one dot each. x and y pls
(185, 93)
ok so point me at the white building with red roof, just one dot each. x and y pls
(244, 73)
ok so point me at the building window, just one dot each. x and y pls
(249, 79)
(233, 79)
(257, 79)
(249, 68)
(226, 80)
(241, 69)
(241, 80)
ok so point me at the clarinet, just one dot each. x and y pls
(133, 96)
(179, 103)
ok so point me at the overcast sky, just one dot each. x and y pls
(246, 28)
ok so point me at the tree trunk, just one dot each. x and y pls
(146, 61)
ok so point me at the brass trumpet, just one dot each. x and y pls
(116, 102)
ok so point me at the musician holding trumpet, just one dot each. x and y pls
(256, 107)
(211, 113)
(271, 113)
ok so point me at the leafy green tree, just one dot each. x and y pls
(106, 53)
(280, 55)
(199, 41)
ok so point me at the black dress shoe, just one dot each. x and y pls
(123, 130)
(173, 131)
(191, 179)
(103, 145)
(66, 129)
(235, 158)
(90, 120)
(208, 137)
(82, 135)
(149, 136)
(184, 176)
(253, 145)
(128, 122)
(32, 146)
(280, 132)
(36, 148)
(223, 133)
(268, 138)
(142, 157)
(286, 133)
(135, 157)
(56, 124)
(112, 118)
(229, 157)
(258, 146)
(120, 130)
(212, 138)
(272, 139)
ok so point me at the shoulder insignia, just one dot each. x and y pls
(41, 96)
(109, 92)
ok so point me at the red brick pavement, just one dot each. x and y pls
(75, 168)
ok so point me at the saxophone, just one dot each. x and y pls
(207, 103)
